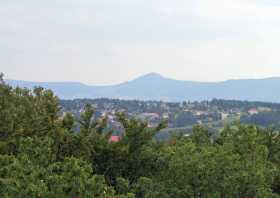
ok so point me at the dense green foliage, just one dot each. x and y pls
(265, 119)
(244, 105)
(43, 155)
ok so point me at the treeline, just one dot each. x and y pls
(265, 119)
(132, 106)
(242, 105)
(138, 106)
(41, 155)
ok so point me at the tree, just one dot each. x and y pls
(142, 159)
(44, 154)
(1, 78)
(200, 136)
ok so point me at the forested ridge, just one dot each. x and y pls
(43, 155)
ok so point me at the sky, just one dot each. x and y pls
(104, 42)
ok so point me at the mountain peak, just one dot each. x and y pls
(150, 76)
(153, 74)
(154, 86)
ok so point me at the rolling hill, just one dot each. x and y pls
(156, 87)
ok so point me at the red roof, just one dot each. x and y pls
(114, 138)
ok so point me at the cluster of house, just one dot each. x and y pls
(201, 110)
(154, 118)
(258, 110)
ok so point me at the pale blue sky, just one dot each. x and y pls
(110, 41)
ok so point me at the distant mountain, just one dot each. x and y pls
(156, 87)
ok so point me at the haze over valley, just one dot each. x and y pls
(154, 86)
(139, 99)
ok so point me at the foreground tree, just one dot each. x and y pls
(46, 154)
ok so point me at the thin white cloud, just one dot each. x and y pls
(108, 41)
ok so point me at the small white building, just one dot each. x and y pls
(224, 116)
(253, 111)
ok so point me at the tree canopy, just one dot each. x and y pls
(46, 154)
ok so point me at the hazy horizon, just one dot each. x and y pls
(105, 42)
(142, 76)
